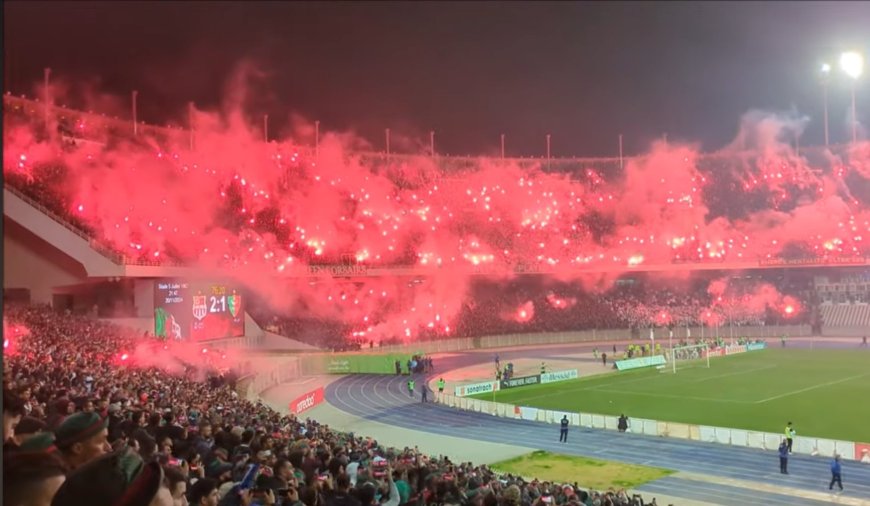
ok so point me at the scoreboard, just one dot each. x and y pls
(197, 310)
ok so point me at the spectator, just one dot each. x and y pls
(145, 444)
(13, 410)
(120, 479)
(27, 428)
(81, 438)
(204, 493)
(32, 473)
(341, 495)
(177, 483)
(284, 472)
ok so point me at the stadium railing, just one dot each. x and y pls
(117, 125)
(722, 435)
(103, 250)
(270, 372)
(96, 245)
(548, 338)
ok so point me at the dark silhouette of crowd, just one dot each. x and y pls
(565, 308)
(80, 427)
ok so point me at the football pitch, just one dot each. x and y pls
(825, 393)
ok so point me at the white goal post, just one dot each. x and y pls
(690, 353)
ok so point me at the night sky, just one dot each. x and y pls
(583, 72)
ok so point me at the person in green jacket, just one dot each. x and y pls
(440, 387)
(411, 387)
(402, 486)
(789, 434)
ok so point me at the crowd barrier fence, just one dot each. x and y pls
(588, 336)
(709, 434)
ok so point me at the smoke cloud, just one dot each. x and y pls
(230, 204)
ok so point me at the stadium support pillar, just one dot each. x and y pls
(387, 134)
(316, 139)
(620, 152)
(143, 297)
(135, 118)
(266, 127)
(548, 151)
(854, 115)
(46, 74)
(432, 143)
(825, 105)
(190, 122)
(852, 64)
(502, 147)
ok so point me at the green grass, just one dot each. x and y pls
(826, 393)
(588, 473)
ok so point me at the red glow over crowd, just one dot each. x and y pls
(224, 199)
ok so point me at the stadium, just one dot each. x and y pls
(205, 313)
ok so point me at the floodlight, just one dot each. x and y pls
(826, 68)
(852, 63)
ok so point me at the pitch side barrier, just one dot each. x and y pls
(637, 363)
(721, 435)
(583, 336)
(492, 386)
(659, 360)
(354, 363)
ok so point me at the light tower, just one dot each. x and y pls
(826, 78)
(852, 64)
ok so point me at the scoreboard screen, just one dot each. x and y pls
(196, 311)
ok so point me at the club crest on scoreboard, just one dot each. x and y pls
(200, 307)
(235, 303)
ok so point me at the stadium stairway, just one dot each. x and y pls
(707, 473)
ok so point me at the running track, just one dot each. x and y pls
(385, 399)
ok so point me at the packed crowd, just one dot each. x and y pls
(748, 177)
(636, 309)
(647, 305)
(80, 428)
(326, 334)
(666, 308)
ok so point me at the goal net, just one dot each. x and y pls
(693, 355)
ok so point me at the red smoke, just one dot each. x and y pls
(560, 302)
(12, 333)
(262, 212)
(524, 313)
(746, 302)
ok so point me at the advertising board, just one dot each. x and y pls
(521, 381)
(636, 363)
(306, 401)
(477, 388)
